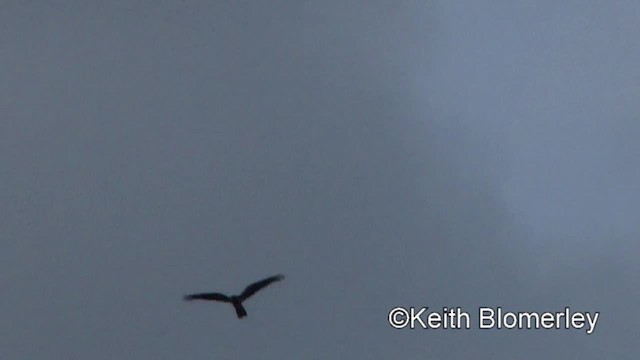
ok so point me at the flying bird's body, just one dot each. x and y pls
(236, 300)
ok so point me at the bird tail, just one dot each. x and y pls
(240, 311)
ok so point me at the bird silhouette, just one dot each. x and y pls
(236, 300)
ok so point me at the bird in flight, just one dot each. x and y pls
(236, 300)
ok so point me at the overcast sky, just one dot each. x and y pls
(378, 153)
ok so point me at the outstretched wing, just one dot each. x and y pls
(255, 287)
(208, 296)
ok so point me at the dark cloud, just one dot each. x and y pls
(398, 154)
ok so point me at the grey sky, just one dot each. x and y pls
(402, 153)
